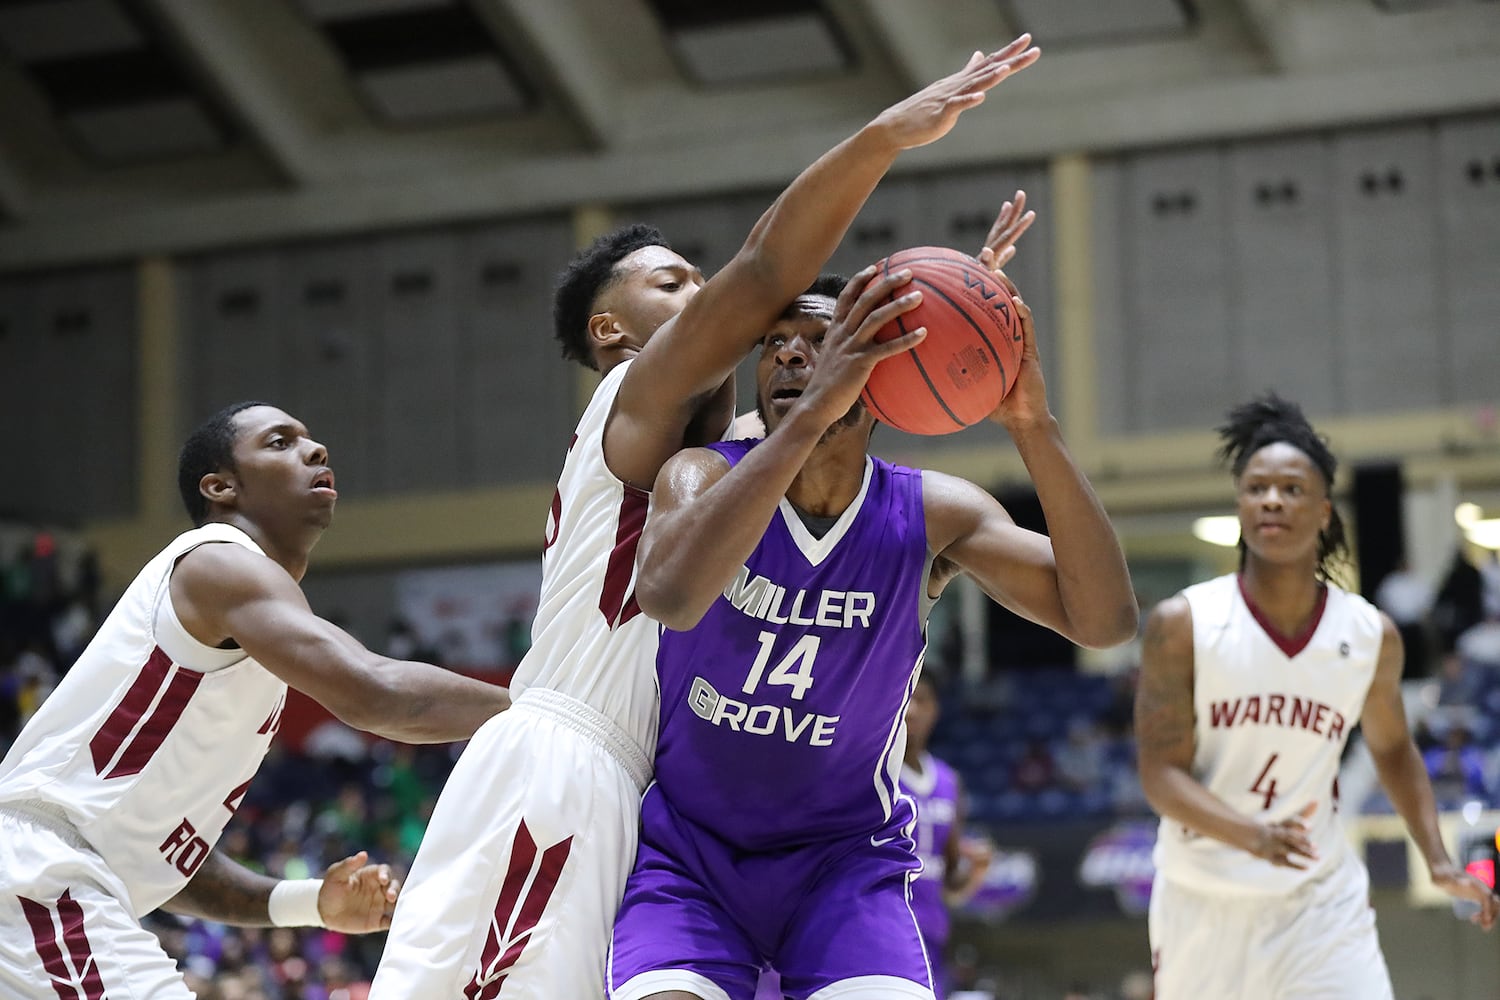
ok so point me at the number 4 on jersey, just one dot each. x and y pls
(1269, 791)
(794, 669)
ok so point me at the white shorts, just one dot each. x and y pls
(1318, 942)
(65, 929)
(514, 890)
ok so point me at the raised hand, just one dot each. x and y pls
(357, 897)
(1026, 402)
(1461, 885)
(1000, 245)
(931, 112)
(849, 351)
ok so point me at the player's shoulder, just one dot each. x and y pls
(218, 565)
(1169, 627)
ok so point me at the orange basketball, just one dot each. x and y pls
(969, 359)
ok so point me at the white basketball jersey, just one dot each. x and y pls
(590, 640)
(148, 754)
(1272, 716)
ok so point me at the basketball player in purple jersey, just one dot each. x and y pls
(794, 576)
(517, 898)
(953, 867)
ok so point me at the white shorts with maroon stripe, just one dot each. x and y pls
(514, 891)
(1315, 943)
(65, 929)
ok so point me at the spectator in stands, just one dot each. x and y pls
(1407, 598)
(1080, 760)
(1035, 770)
(1457, 767)
(1458, 682)
(1460, 600)
(1480, 642)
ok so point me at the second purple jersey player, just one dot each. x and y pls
(794, 576)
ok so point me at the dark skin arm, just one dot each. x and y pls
(692, 354)
(1076, 581)
(1404, 776)
(225, 592)
(1165, 743)
(355, 898)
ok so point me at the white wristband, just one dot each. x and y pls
(294, 903)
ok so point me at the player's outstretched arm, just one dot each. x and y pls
(1403, 775)
(352, 896)
(1076, 582)
(226, 592)
(707, 518)
(692, 354)
(1165, 741)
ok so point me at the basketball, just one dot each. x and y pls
(957, 375)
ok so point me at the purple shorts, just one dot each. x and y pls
(702, 916)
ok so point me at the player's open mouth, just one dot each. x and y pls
(781, 395)
(323, 483)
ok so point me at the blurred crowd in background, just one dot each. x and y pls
(1034, 747)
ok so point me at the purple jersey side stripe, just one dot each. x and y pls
(935, 793)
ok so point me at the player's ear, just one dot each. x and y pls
(218, 487)
(605, 331)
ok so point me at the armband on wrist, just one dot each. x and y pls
(294, 903)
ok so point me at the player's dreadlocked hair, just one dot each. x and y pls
(586, 276)
(1269, 419)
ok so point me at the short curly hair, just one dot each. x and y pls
(586, 276)
(1269, 419)
(209, 448)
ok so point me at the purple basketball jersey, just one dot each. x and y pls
(783, 711)
(935, 792)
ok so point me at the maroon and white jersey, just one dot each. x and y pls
(589, 639)
(148, 745)
(1272, 715)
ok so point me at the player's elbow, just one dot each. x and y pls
(1103, 631)
(667, 603)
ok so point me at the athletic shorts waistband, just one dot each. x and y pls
(50, 817)
(588, 721)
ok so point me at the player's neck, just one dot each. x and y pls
(290, 554)
(832, 476)
(1286, 594)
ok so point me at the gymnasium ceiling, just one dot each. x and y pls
(130, 126)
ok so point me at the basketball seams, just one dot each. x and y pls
(951, 277)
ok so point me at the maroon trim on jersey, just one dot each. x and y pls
(495, 965)
(44, 933)
(111, 735)
(1290, 645)
(617, 601)
(158, 724)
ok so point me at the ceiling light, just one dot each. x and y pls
(1222, 530)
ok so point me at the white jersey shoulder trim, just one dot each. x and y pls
(167, 629)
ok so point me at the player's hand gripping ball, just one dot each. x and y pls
(968, 361)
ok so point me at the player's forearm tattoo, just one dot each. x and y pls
(223, 891)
